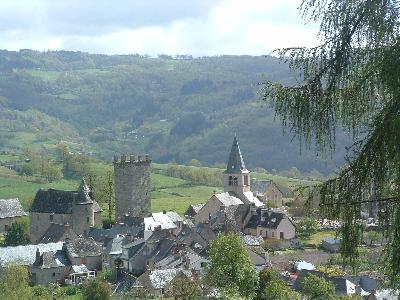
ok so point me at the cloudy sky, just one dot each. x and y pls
(197, 27)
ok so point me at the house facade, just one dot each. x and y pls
(267, 191)
(76, 208)
(269, 224)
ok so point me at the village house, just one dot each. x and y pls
(169, 221)
(42, 260)
(267, 191)
(270, 224)
(76, 208)
(86, 252)
(49, 266)
(10, 211)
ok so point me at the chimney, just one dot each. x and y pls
(37, 259)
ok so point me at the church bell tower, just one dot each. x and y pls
(236, 176)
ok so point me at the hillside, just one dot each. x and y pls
(173, 109)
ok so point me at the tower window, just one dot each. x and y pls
(233, 180)
(246, 179)
(51, 217)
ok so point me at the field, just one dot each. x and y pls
(168, 193)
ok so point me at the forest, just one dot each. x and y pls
(174, 108)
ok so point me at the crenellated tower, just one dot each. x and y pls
(132, 186)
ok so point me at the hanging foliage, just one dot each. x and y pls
(351, 81)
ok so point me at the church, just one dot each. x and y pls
(237, 193)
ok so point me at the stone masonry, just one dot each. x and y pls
(132, 186)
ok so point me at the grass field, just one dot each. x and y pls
(168, 193)
(316, 238)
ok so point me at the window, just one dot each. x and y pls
(230, 180)
(273, 234)
(261, 232)
(54, 274)
(87, 219)
(51, 217)
(281, 235)
(235, 181)
(246, 179)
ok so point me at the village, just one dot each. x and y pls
(150, 251)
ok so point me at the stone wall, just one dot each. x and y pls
(132, 186)
(82, 218)
(40, 222)
(48, 275)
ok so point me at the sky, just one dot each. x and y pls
(195, 27)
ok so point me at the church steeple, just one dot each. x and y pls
(236, 177)
(235, 161)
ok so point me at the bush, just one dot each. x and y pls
(71, 290)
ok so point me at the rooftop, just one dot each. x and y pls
(10, 208)
(25, 255)
(82, 247)
(228, 199)
(235, 161)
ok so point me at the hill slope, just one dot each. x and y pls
(175, 110)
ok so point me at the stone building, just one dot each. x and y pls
(236, 188)
(86, 252)
(270, 224)
(49, 266)
(76, 208)
(10, 211)
(132, 186)
(267, 191)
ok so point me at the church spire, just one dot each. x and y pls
(235, 161)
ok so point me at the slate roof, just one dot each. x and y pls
(82, 247)
(104, 235)
(55, 233)
(261, 186)
(235, 162)
(158, 279)
(59, 201)
(52, 259)
(10, 208)
(249, 196)
(267, 219)
(250, 240)
(80, 269)
(25, 255)
(194, 209)
(96, 207)
(228, 198)
(158, 219)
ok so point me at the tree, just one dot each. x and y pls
(231, 268)
(307, 227)
(278, 290)
(14, 283)
(351, 81)
(194, 163)
(374, 236)
(15, 235)
(184, 288)
(97, 289)
(317, 288)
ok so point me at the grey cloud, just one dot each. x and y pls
(97, 17)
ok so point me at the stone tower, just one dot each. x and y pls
(132, 186)
(236, 176)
